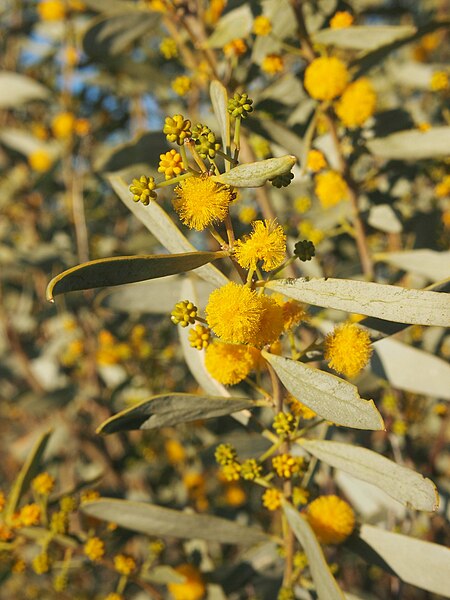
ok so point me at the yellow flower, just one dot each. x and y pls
(40, 161)
(341, 19)
(262, 25)
(348, 349)
(228, 363)
(181, 85)
(271, 499)
(357, 103)
(175, 452)
(168, 48)
(43, 484)
(201, 202)
(193, 588)
(315, 161)
(51, 10)
(199, 337)
(326, 78)
(236, 47)
(63, 125)
(271, 323)
(170, 164)
(30, 514)
(331, 518)
(234, 313)
(94, 548)
(330, 188)
(266, 243)
(286, 465)
(124, 564)
(439, 81)
(272, 64)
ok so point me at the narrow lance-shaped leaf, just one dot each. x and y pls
(219, 101)
(388, 302)
(329, 396)
(166, 410)
(405, 485)
(126, 269)
(326, 585)
(257, 173)
(156, 520)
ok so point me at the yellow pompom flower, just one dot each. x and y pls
(266, 243)
(271, 323)
(341, 19)
(315, 161)
(331, 518)
(63, 125)
(357, 103)
(326, 78)
(51, 10)
(348, 349)
(272, 64)
(228, 363)
(236, 47)
(193, 588)
(201, 202)
(262, 25)
(234, 313)
(330, 188)
(181, 85)
(40, 161)
(124, 564)
(439, 81)
(171, 164)
(30, 514)
(43, 484)
(94, 548)
(168, 48)
(271, 499)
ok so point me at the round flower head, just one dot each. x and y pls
(234, 313)
(193, 588)
(347, 349)
(357, 103)
(201, 202)
(331, 518)
(267, 243)
(326, 78)
(228, 363)
(330, 188)
(271, 323)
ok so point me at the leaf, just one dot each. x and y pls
(419, 563)
(158, 521)
(363, 37)
(28, 471)
(126, 269)
(257, 173)
(388, 302)
(326, 585)
(166, 410)
(411, 369)
(219, 101)
(329, 396)
(16, 89)
(428, 263)
(402, 484)
(158, 222)
(234, 24)
(412, 144)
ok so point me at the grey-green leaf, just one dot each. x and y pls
(126, 269)
(329, 396)
(155, 520)
(166, 410)
(363, 37)
(412, 144)
(388, 302)
(326, 585)
(402, 484)
(423, 564)
(257, 173)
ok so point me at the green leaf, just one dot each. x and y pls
(16, 89)
(28, 471)
(126, 269)
(329, 396)
(326, 585)
(363, 37)
(412, 144)
(257, 173)
(158, 521)
(388, 302)
(419, 563)
(158, 222)
(411, 369)
(219, 101)
(166, 410)
(234, 24)
(402, 484)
